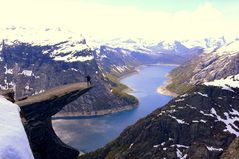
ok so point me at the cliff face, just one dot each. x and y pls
(200, 124)
(32, 69)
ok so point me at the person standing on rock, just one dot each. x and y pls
(88, 79)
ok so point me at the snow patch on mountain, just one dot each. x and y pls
(13, 140)
(229, 121)
(70, 58)
(8, 71)
(210, 148)
(137, 45)
(38, 36)
(227, 83)
(26, 73)
(230, 49)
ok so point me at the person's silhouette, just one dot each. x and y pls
(88, 79)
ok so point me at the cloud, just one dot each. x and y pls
(108, 21)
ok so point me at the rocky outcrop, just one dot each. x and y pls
(200, 124)
(36, 112)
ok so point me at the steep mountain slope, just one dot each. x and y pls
(209, 66)
(52, 58)
(200, 124)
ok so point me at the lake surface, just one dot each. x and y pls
(88, 134)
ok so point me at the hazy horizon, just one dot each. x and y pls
(149, 19)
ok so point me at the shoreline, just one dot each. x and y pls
(163, 89)
(95, 113)
(125, 75)
(163, 64)
(137, 69)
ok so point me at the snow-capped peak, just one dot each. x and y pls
(231, 48)
(65, 44)
(206, 43)
(39, 36)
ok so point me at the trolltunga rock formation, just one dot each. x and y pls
(36, 113)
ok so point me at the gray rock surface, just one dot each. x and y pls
(232, 151)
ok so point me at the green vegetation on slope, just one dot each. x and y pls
(119, 90)
(180, 77)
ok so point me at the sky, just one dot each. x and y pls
(149, 19)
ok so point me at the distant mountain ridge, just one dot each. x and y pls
(128, 53)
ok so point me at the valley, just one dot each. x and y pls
(87, 134)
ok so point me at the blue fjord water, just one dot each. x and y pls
(88, 134)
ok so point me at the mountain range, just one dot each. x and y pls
(201, 123)
(34, 60)
(38, 59)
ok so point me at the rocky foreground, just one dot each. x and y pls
(201, 124)
(36, 113)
